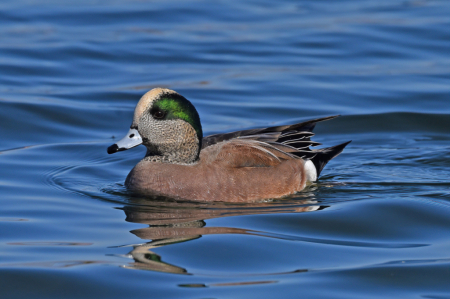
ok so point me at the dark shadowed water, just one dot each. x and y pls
(377, 224)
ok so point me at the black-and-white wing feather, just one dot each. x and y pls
(294, 139)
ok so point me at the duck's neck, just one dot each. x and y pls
(183, 153)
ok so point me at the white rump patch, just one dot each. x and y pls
(310, 171)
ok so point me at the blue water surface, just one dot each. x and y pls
(376, 225)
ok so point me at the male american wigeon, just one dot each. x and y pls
(241, 166)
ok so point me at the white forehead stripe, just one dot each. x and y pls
(146, 101)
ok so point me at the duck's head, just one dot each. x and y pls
(167, 124)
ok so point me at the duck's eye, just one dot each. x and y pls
(158, 114)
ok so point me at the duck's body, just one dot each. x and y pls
(228, 171)
(240, 166)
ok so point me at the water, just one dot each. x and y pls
(375, 226)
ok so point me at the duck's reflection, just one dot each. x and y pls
(173, 222)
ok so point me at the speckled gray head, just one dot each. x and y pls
(167, 124)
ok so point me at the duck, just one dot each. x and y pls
(243, 166)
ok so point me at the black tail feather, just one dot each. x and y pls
(324, 155)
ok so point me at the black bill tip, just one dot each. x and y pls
(113, 149)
